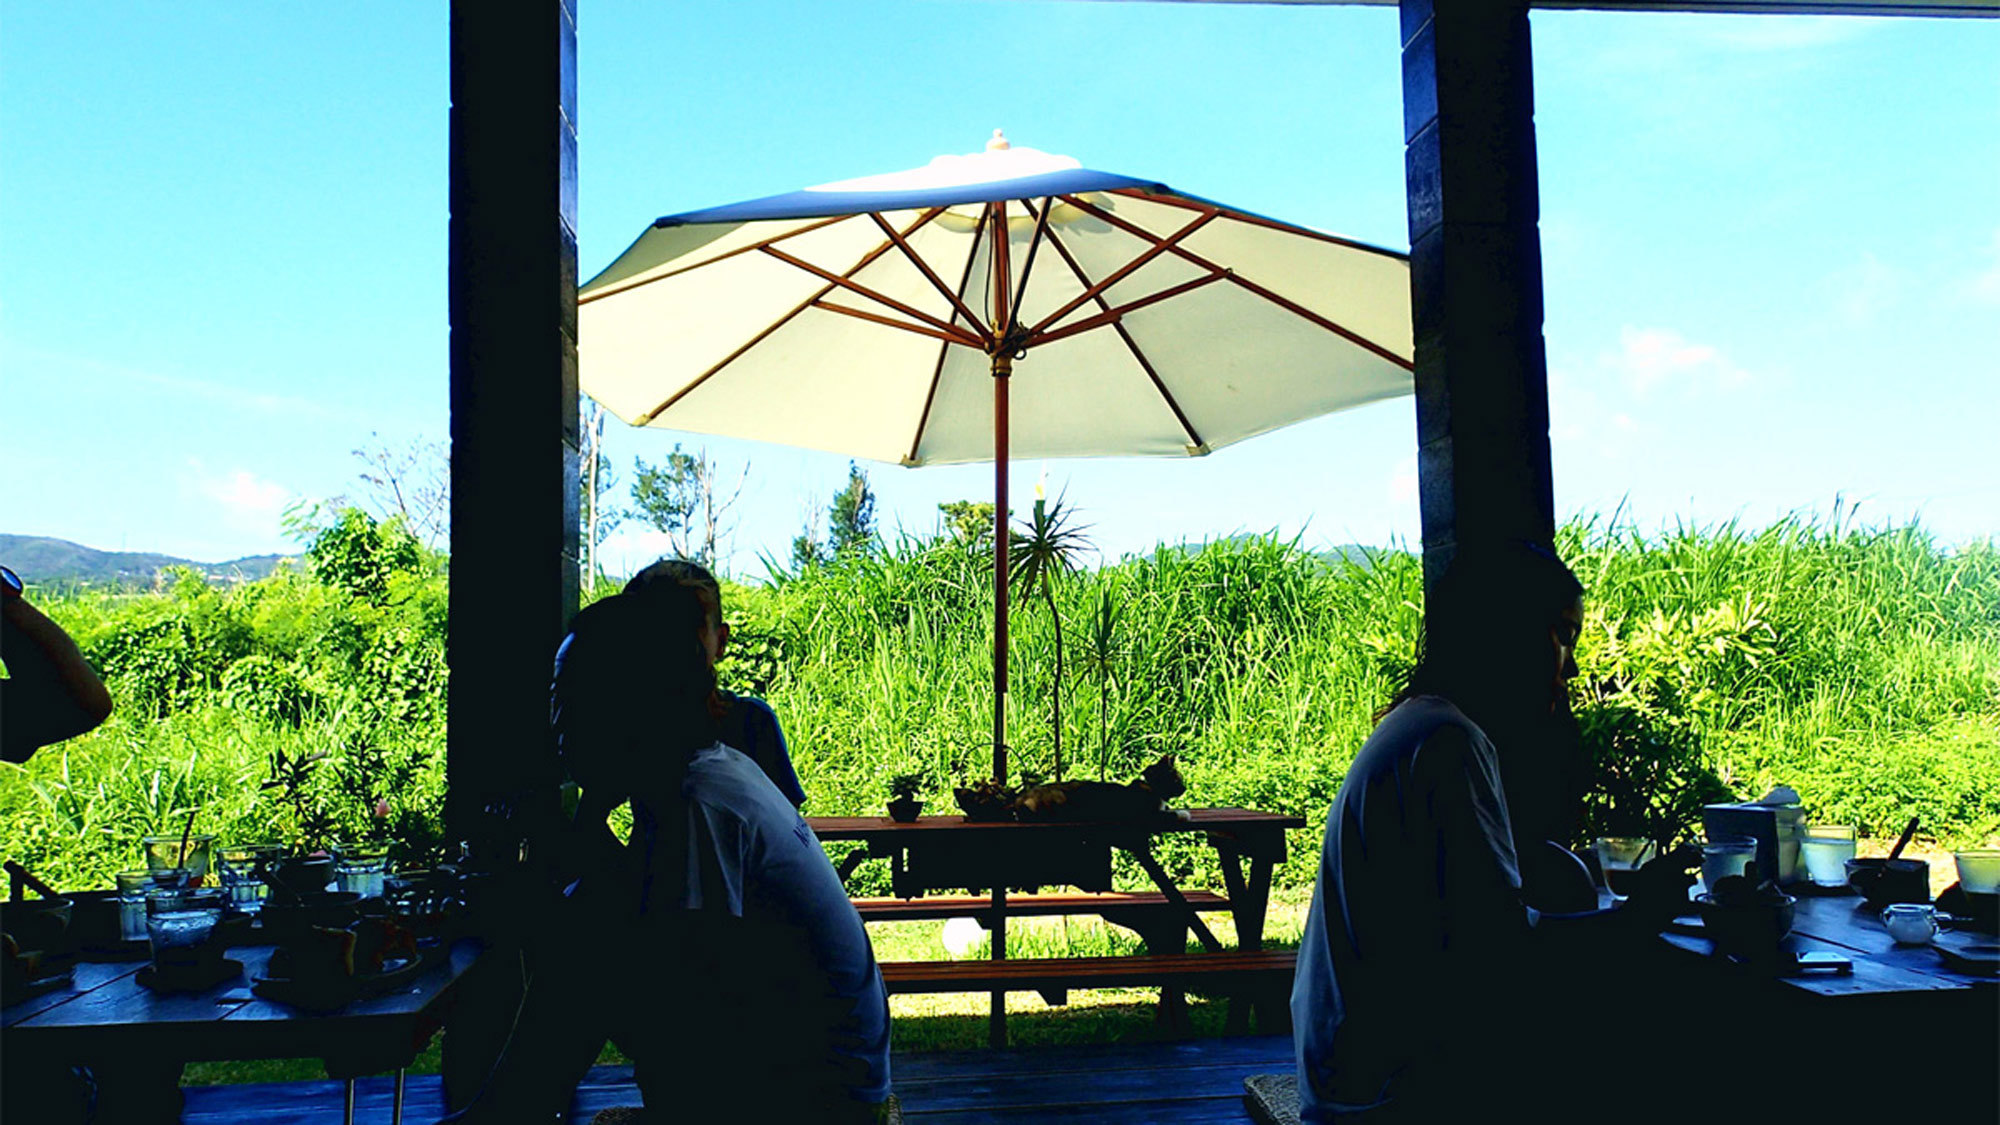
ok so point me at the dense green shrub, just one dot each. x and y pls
(1861, 666)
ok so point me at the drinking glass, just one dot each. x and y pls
(1618, 857)
(1978, 870)
(132, 888)
(361, 867)
(1724, 856)
(179, 923)
(242, 869)
(164, 853)
(1826, 848)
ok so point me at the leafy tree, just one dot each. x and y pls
(359, 554)
(969, 521)
(683, 498)
(807, 550)
(851, 519)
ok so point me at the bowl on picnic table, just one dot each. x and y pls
(37, 923)
(1886, 881)
(1748, 927)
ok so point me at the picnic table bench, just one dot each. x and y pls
(950, 852)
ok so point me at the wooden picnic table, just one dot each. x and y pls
(136, 1040)
(944, 852)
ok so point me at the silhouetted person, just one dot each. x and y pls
(52, 694)
(1427, 990)
(717, 947)
(747, 723)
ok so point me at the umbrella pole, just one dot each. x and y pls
(1003, 367)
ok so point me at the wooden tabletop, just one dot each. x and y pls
(106, 1008)
(1844, 925)
(1198, 820)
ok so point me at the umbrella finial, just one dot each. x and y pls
(997, 141)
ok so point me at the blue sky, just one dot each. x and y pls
(1772, 245)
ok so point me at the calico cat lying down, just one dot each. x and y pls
(1139, 801)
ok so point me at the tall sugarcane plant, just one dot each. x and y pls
(1103, 647)
(1043, 549)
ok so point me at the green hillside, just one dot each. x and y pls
(43, 561)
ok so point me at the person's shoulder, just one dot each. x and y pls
(723, 776)
(1424, 735)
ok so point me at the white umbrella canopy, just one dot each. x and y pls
(883, 317)
(858, 317)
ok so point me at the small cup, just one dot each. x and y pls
(1910, 923)
(164, 853)
(1826, 848)
(1724, 856)
(241, 867)
(132, 889)
(1618, 857)
(360, 868)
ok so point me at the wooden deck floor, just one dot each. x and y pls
(1193, 1081)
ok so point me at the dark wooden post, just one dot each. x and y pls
(513, 387)
(1475, 275)
(514, 441)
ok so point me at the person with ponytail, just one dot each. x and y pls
(717, 946)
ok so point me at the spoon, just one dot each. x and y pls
(1902, 841)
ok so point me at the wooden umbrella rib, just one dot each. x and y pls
(1288, 305)
(1159, 246)
(1259, 221)
(1028, 265)
(937, 373)
(923, 267)
(634, 283)
(891, 322)
(1159, 384)
(848, 283)
(759, 338)
(1112, 315)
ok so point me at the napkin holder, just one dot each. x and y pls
(1776, 828)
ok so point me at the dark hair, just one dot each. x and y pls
(632, 683)
(668, 575)
(1486, 621)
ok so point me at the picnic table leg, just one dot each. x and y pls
(996, 1018)
(1143, 852)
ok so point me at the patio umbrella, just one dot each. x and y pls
(885, 317)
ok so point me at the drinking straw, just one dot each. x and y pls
(187, 833)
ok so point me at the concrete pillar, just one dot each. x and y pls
(1475, 275)
(514, 431)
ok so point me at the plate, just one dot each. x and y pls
(1974, 958)
(201, 981)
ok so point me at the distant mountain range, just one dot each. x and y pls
(43, 561)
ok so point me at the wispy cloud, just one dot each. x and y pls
(242, 500)
(1864, 291)
(1648, 358)
(59, 364)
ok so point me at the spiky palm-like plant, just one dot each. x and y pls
(1043, 548)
